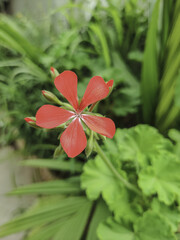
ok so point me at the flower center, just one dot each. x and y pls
(78, 114)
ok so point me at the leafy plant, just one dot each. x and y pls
(135, 194)
(130, 189)
(159, 101)
(28, 51)
(145, 209)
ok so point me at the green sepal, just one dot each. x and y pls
(58, 151)
(90, 144)
(67, 106)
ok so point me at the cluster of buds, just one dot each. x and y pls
(75, 117)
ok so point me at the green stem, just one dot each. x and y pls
(92, 106)
(113, 169)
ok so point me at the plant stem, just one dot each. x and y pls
(113, 169)
(92, 107)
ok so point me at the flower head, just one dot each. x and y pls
(73, 139)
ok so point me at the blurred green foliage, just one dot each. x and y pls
(109, 42)
(136, 43)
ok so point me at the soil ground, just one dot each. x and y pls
(11, 176)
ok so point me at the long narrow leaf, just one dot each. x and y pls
(51, 187)
(58, 164)
(105, 49)
(100, 214)
(59, 208)
(149, 80)
(167, 111)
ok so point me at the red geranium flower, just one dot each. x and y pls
(73, 139)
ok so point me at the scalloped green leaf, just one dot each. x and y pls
(170, 213)
(153, 227)
(140, 142)
(98, 179)
(111, 229)
(162, 178)
(150, 226)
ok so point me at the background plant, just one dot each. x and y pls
(28, 51)
(130, 190)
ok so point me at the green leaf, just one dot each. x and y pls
(150, 226)
(170, 213)
(13, 38)
(114, 13)
(69, 186)
(175, 136)
(46, 232)
(177, 91)
(98, 179)
(69, 227)
(178, 236)
(125, 73)
(96, 29)
(75, 226)
(153, 227)
(139, 143)
(167, 112)
(125, 100)
(10, 62)
(59, 164)
(101, 212)
(46, 211)
(162, 177)
(135, 56)
(149, 79)
(113, 230)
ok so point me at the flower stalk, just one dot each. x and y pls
(113, 169)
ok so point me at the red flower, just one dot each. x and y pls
(73, 139)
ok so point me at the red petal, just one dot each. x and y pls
(110, 83)
(101, 125)
(66, 84)
(49, 116)
(73, 139)
(95, 91)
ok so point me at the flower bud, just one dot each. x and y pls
(51, 97)
(90, 145)
(110, 85)
(58, 151)
(54, 73)
(31, 121)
